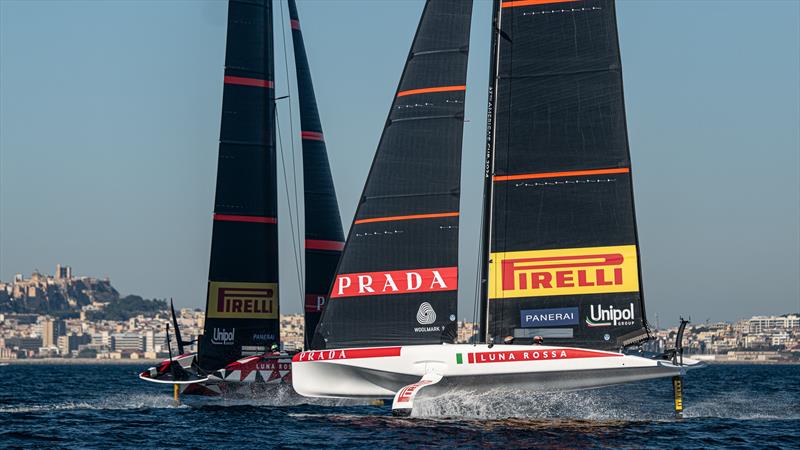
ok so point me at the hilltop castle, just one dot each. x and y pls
(59, 292)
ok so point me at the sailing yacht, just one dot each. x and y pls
(242, 307)
(561, 304)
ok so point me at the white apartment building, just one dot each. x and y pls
(760, 324)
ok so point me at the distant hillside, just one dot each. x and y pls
(54, 295)
(126, 307)
(64, 295)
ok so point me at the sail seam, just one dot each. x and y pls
(253, 143)
(435, 52)
(249, 2)
(425, 194)
(559, 74)
(406, 119)
(573, 173)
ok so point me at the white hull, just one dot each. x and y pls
(382, 372)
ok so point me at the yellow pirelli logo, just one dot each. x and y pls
(571, 271)
(242, 300)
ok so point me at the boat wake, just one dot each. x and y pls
(601, 405)
(114, 402)
(280, 396)
(741, 406)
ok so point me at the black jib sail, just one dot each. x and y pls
(397, 280)
(242, 302)
(324, 238)
(564, 259)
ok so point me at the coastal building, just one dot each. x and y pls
(760, 324)
(30, 344)
(63, 272)
(51, 330)
(466, 332)
(127, 341)
(71, 342)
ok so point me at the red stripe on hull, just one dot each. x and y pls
(242, 81)
(314, 244)
(252, 219)
(328, 355)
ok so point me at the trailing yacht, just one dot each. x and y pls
(239, 351)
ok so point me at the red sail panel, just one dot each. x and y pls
(406, 224)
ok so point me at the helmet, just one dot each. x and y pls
(274, 348)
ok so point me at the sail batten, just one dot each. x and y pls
(397, 280)
(563, 257)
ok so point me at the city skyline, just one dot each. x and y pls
(35, 287)
(107, 163)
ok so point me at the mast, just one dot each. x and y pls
(324, 238)
(486, 226)
(397, 280)
(242, 300)
(564, 256)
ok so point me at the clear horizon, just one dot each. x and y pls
(109, 126)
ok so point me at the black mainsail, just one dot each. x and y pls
(324, 238)
(563, 254)
(242, 301)
(396, 282)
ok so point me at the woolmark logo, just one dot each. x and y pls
(222, 336)
(606, 317)
(563, 272)
(425, 314)
(396, 282)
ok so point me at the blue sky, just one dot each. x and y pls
(109, 123)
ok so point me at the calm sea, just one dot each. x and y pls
(105, 406)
